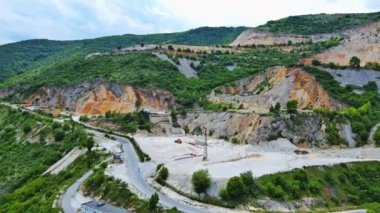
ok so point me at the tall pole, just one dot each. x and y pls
(205, 146)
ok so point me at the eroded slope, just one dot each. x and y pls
(276, 85)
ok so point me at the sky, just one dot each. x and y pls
(79, 19)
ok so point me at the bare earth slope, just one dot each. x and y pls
(276, 85)
(96, 97)
(361, 41)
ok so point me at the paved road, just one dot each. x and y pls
(131, 158)
(71, 191)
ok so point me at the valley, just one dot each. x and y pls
(277, 118)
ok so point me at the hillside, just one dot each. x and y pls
(20, 56)
(30, 144)
(276, 85)
(277, 118)
(362, 42)
(318, 24)
(149, 71)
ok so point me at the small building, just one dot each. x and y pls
(116, 158)
(99, 207)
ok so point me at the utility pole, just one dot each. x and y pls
(205, 146)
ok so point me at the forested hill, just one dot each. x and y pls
(319, 23)
(20, 56)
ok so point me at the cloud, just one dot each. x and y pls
(78, 19)
(373, 5)
(254, 12)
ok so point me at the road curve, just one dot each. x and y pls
(131, 158)
(71, 191)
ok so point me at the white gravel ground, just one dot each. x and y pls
(110, 145)
(227, 160)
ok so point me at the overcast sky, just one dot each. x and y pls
(78, 19)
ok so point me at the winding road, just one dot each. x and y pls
(71, 191)
(139, 182)
(131, 158)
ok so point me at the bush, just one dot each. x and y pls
(84, 118)
(235, 189)
(316, 62)
(66, 127)
(90, 143)
(291, 106)
(55, 125)
(27, 128)
(201, 181)
(275, 192)
(373, 66)
(275, 109)
(153, 201)
(377, 137)
(163, 175)
(355, 62)
(59, 135)
(251, 187)
(142, 155)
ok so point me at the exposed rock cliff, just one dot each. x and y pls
(302, 129)
(363, 42)
(96, 97)
(258, 37)
(277, 84)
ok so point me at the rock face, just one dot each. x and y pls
(363, 42)
(302, 129)
(96, 97)
(358, 77)
(258, 37)
(185, 65)
(276, 85)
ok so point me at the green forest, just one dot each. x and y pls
(319, 23)
(18, 57)
(344, 185)
(147, 70)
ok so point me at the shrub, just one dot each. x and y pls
(377, 137)
(138, 103)
(84, 118)
(90, 143)
(27, 128)
(153, 201)
(275, 109)
(66, 127)
(251, 187)
(316, 62)
(201, 181)
(355, 62)
(55, 125)
(108, 114)
(275, 191)
(163, 175)
(291, 106)
(59, 135)
(235, 189)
